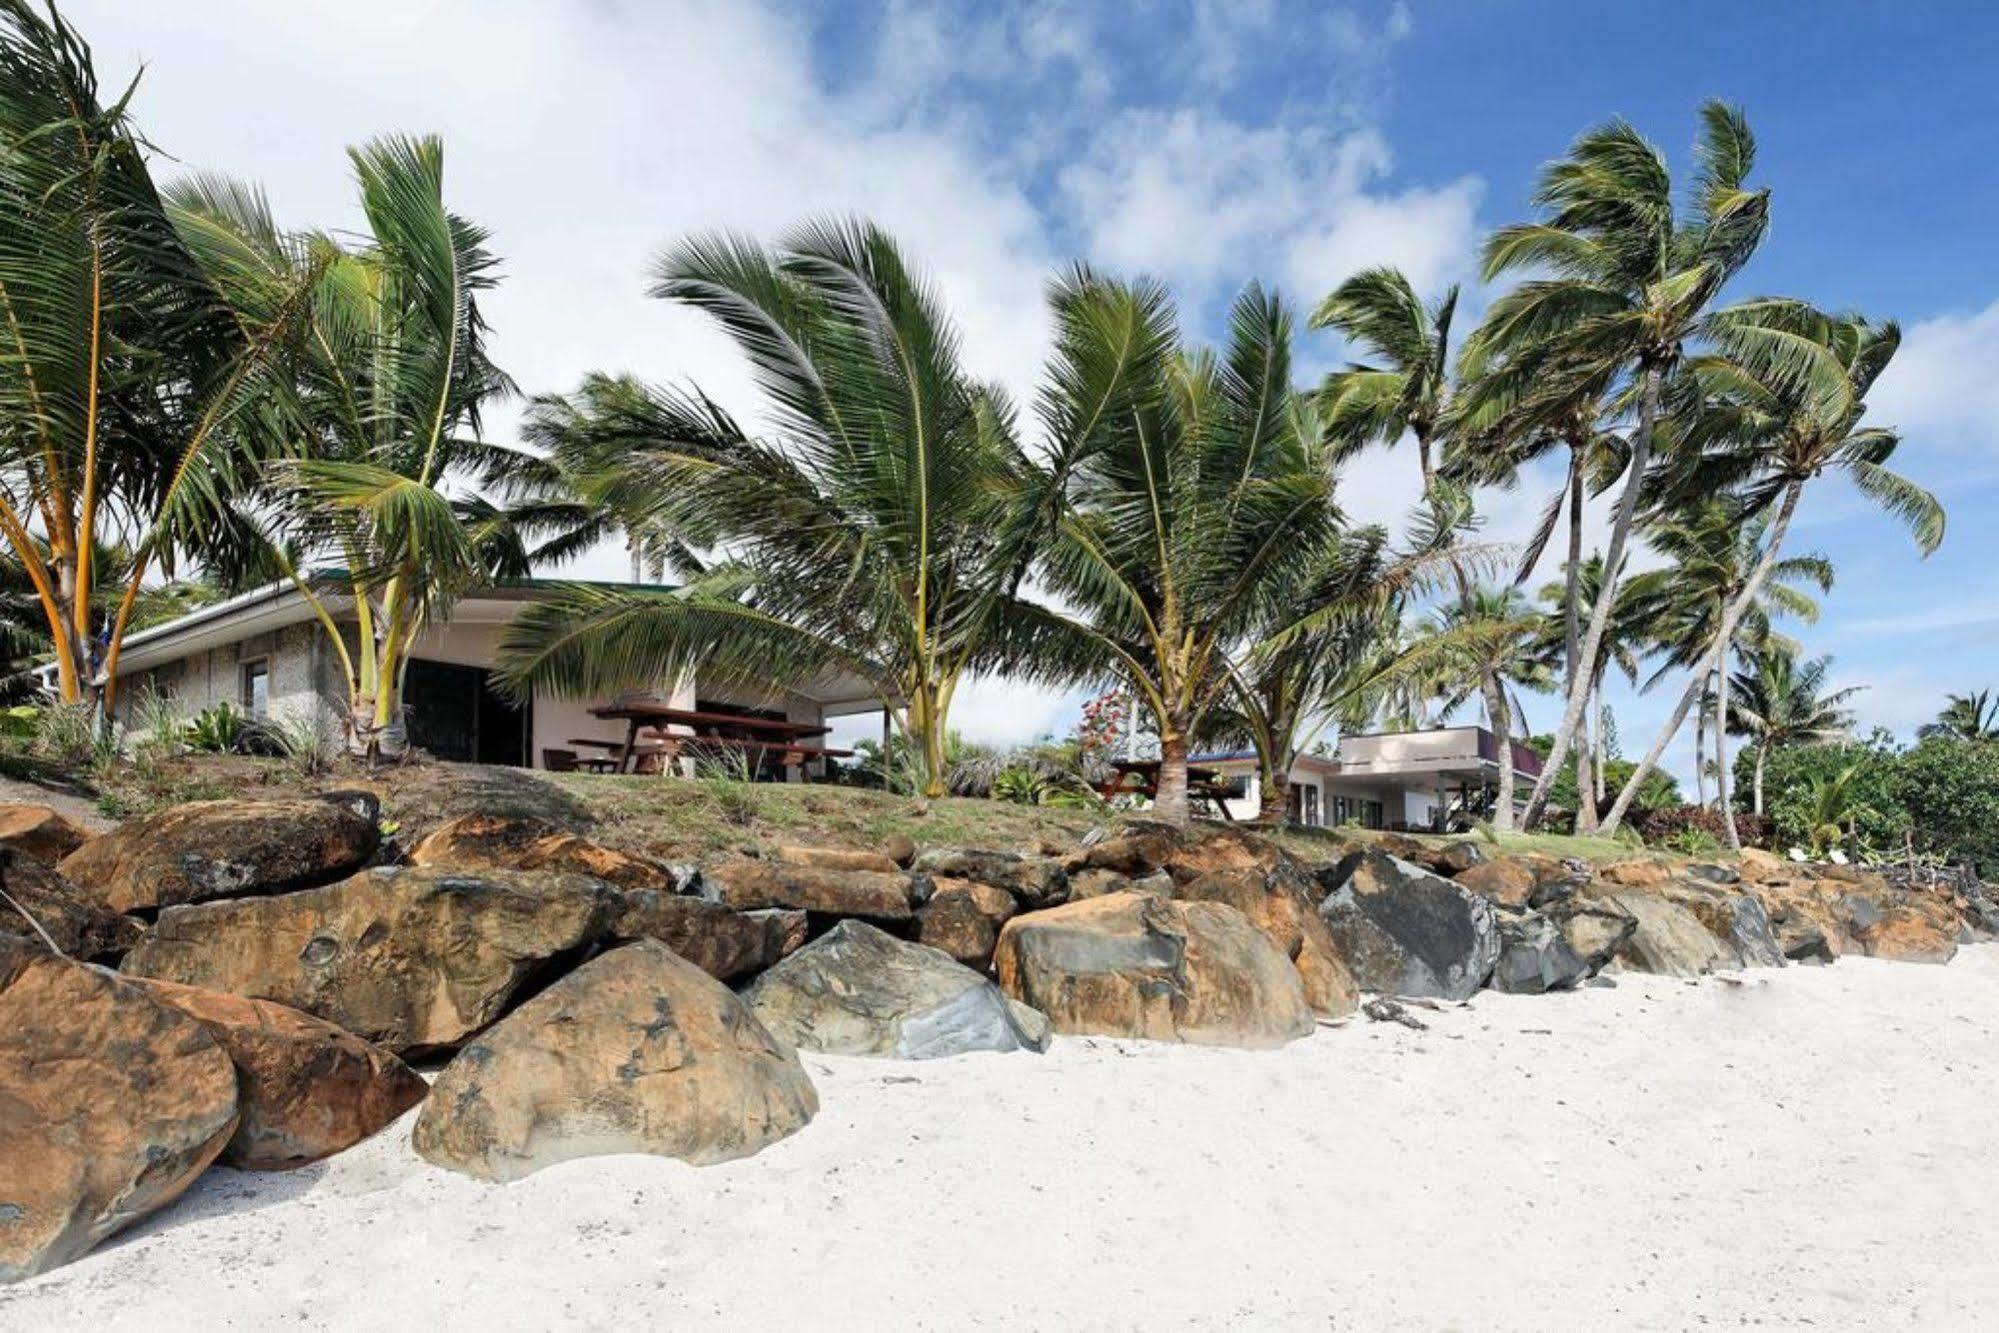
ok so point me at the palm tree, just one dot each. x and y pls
(1624, 641)
(1189, 504)
(126, 364)
(1409, 391)
(1966, 717)
(1832, 808)
(390, 387)
(882, 531)
(1781, 701)
(1494, 633)
(1633, 279)
(1781, 402)
(1713, 548)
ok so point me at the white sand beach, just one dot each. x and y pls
(1812, 1147)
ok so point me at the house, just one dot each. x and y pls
(1389, 779)
(265, 653)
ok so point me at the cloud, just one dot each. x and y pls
(1940, 389)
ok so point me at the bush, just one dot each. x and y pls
(1949, 790)
(1879, 819)
(1668, 825)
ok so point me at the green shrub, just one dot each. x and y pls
(217, 730)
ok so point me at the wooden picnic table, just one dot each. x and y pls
(1203, 784)
(730, 729)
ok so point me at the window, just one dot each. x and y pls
(257, 687)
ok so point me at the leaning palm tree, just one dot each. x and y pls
(880, 530)
(389, 391)
(1965, 717)
(1625, 641)
(1188, 501)
(1494, 654)
(1782, 702)
(1633, 278)
(1781, 402)
(128, 366)
(1404, 387)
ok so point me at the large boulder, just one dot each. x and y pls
(415, 959)
(1222, 849)
(1668, 939)
(1405, 931)
(1535, 957)
(1035, 881)
(749, 883)
(859, 991)
(1520, 880)
(1132, 965)
(1636, 872)
(1596, 931)
(221, 849)
(638, 1050)
(36, 830)
(1737, 919)
(36, 902)
(307, 1089)
(499, 842)
(1804, 920)
(1279, 903)
(963, 918)
(110, 1106)
(1899, 925)
(719, 940)
(837, 858)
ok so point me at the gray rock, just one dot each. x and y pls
(1535, 957)
(1405, 931)
(857, 990)
(1594, 931)
(1036, 880)
(1669, 940)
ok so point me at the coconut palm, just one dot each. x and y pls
(389, 391)
(127, 365)
(1633, 279)
(879, 531)
(1494, 651)
(1624, 643)
(1404, 388)
(1966, 717)
(1713, 549)
(1780, 701)
(1190, 502)
(1780, 402)
(1833, 809)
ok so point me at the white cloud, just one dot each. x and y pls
(1942, 388)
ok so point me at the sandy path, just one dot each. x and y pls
(1814, 1147)
(79, 810)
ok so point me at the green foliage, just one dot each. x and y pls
(217, 730)
(1950, 788)
(1659, 788)
(1020, 786)
(1692, 842)
(1853, 788)
(20, 722)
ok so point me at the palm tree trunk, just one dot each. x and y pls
(1721, 795)
(1599, 620)
(1274, 792)
(1700, 745)
(1502, 734)
(1762, 752)
(1572, 643)
(1169, 800)
(1600, 761)
(1730, 620)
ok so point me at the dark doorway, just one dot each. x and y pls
(455, 714)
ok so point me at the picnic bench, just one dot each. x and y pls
(791, 743)
(1140, 777)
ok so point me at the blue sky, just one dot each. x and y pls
(1208, 143)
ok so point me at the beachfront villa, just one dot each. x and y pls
(1383, 780)
(265, 653)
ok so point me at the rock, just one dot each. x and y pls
(1901, 926)
(1455, 858)
(1712, 874)
(416, 959)
(638, 1050)
(722, 942)
(837, 858)
(1034, 880)
(306, 1088)
(1139, 848)
(1669, 939)
(1405, 931)
(1737, 920)
(1279, 904)
(898, 848)
(1388, 1011)
(1129, 965)
(1760, 867)
(963, 918)
(1595, 931)
(746, 885)
(859, 991)
(1222, 849)
(499, 842)
(1095, 882)
(110, 1106)
(37, 903)
(220, 849)
(360, 801)
(1535, 956)
(1636, 872)
(1803, 921)
(1504, 881)
(36, 830)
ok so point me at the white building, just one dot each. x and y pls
(1392, 779)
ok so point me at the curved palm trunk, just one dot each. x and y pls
(1762, 752)
(1721, 748)
(1501, 714)
(1700, 745)
(1600, 755)
(1730, 620)
(1572, 644)
(1599, 620)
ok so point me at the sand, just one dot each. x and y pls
(1813, 1147)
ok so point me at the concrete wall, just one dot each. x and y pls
(302, 684)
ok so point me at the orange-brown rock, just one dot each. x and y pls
(306, 1088)
(1279, 904)
(837, 858)
(1130, 965)
(417, 959)
(638, 1050)
(748, 883)
(722, 942)
(36, 830)
(1803, 918)
(110, 1106)
(220, 849)
(498, 842)
(963, 918)
(1508, 881)
(1901, 926)
(1210, 851)
(38, 903)
(1636, 872)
